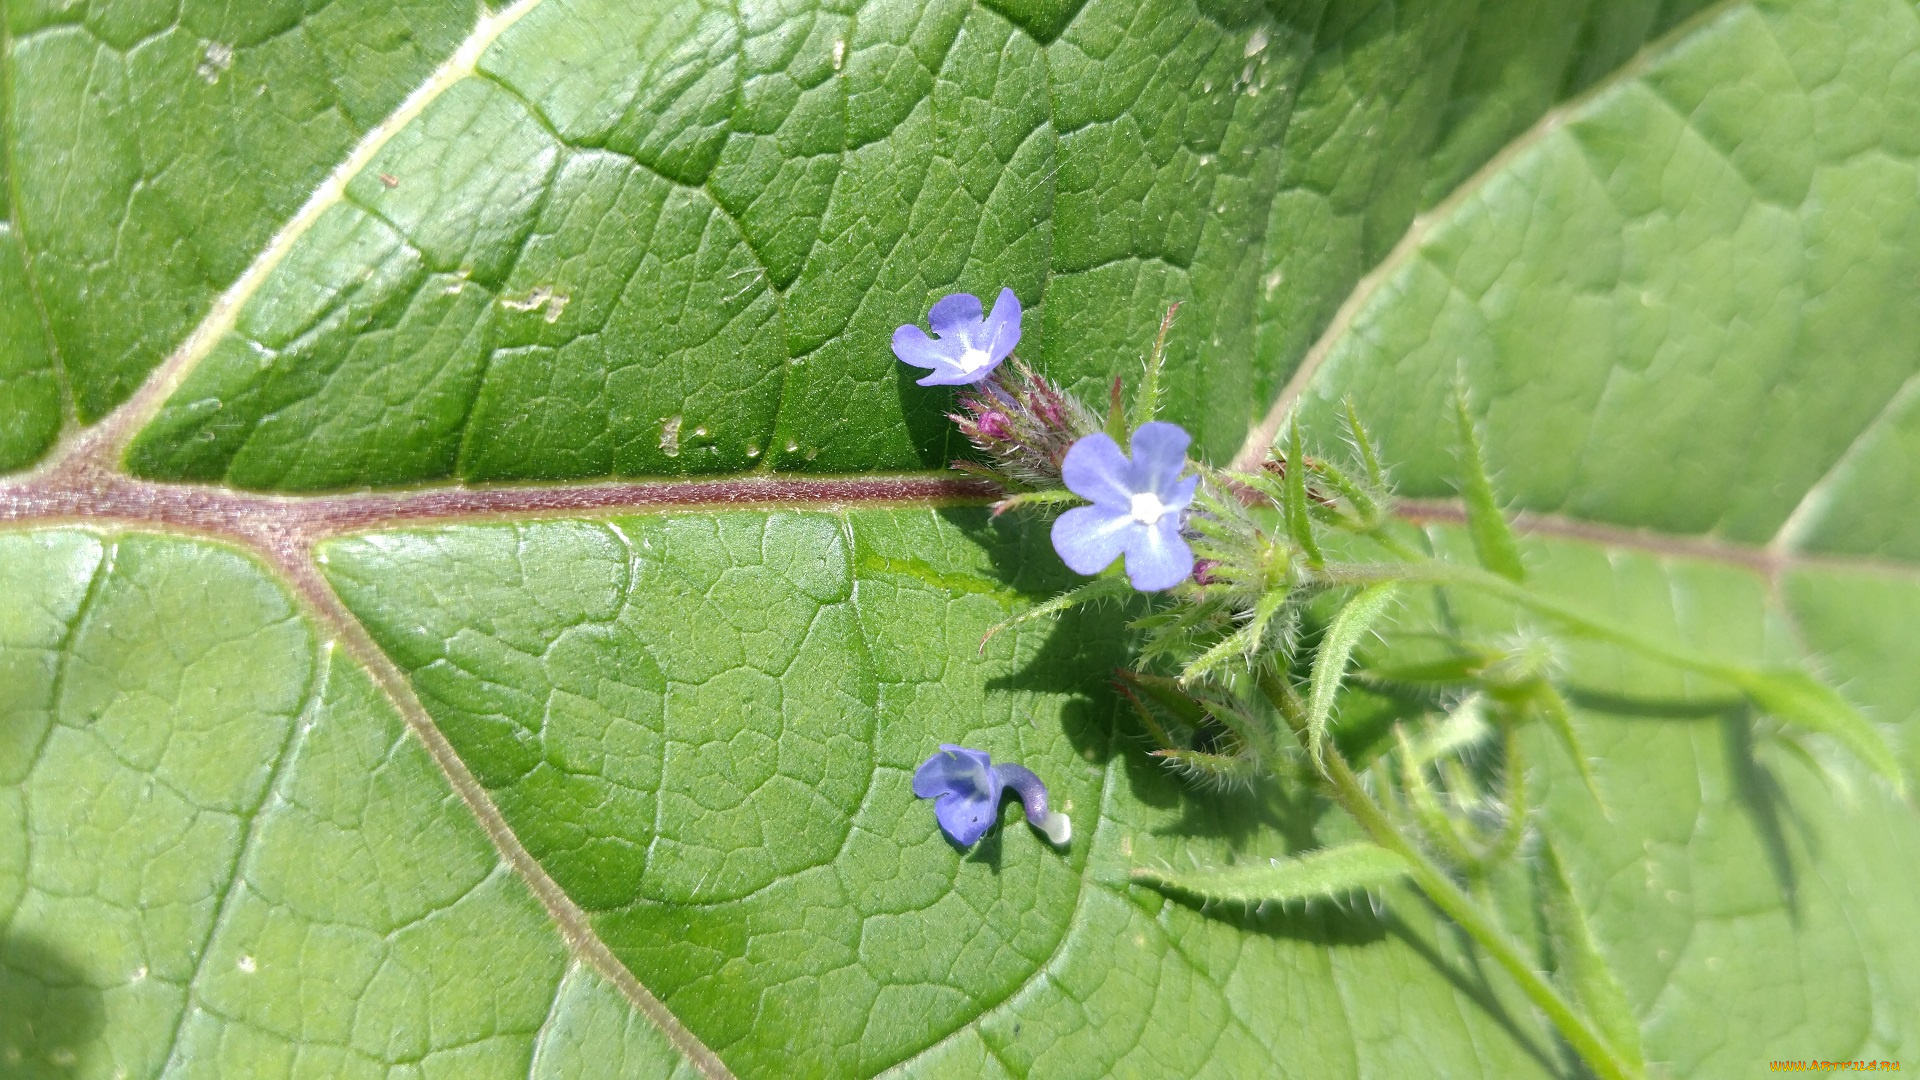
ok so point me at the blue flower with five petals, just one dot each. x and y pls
(1138, 505)
(966, 787)
(969, 347)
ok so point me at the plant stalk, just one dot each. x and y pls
(1448, 896)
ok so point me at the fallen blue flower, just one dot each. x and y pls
(969, 347)
(966, 786)
(1138, 507)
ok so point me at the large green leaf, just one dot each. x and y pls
(224, 855)
(152, 151)
(334, 785)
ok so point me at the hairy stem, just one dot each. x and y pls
(1352, 796)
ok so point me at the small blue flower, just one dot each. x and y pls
(969, 347)
(1138, 504)
(966, 786)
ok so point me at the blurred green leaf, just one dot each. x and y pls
(223, 853)
(1316, 875)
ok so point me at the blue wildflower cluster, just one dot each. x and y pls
(1230, 692)
(1039, 438)
(1139, 510)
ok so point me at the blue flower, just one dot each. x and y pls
(1138, 504)
(966, 786)
(969, 347)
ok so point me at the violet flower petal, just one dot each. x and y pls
(966, 788)
(953, 768)
(1089, 538)
(965, 819)
(968, 347)
(966, 792)
(1096, 470)
(1139, 504)
(1002, 330)
(1157, 557)
(955, 313)
(912, 345)
(1159, 451)
(1180, 495)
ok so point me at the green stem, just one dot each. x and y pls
(1435, 572)
(1448, 896)
(1516, 769)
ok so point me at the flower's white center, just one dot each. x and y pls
(1147, 508)
(974, 359)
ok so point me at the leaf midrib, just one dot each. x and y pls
(1407, 248)
(111, 436)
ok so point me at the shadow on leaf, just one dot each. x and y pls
(1761, 797)
(51, 1021)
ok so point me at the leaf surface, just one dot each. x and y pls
(646, 238)
(223, 853)
(135, 139)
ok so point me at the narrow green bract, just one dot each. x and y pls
(1350, 626)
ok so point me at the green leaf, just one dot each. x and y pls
(704, 725)
(1679, 399)
(615, 779)
(1553, 708)
(1243, 644)
(786, 198)
(118, 242)
(1322, 874)
(1354, 621)
(1294, 506)
(222, 849)
(1146, 399)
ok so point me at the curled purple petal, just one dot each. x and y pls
(1139, 504)
(965, 819)
(953, 768)
(1180, 496)
(954, 313)
(1089, 538)
(1096, 470)
(1002, 329)
(912, 345)
(1033, 797)
(949, 375)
